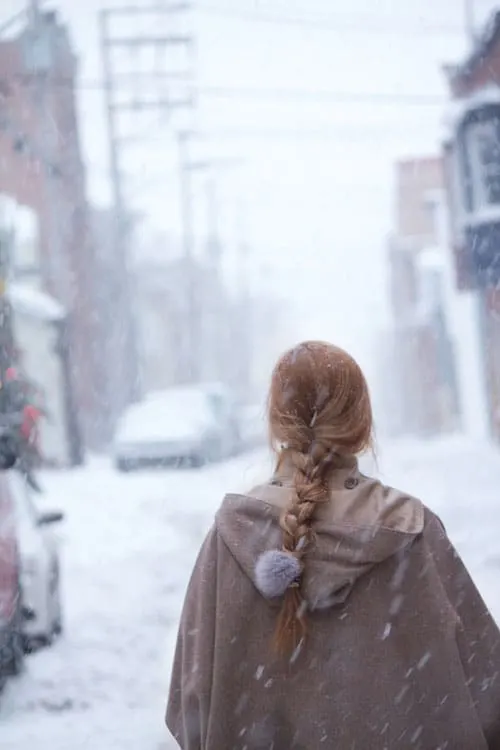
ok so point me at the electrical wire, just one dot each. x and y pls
(268, 93)
(371, 132)
(322, 95)
(339, 22)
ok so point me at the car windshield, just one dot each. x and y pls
(167, 413)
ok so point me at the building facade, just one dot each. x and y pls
(41, 167)
(423, 376)
(472, 157)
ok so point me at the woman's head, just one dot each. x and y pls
(319, 395)
(319, 414)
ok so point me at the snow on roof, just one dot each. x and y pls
(33, 302)
(483, 46)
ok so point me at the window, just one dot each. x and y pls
(37, 52)
(483, 147)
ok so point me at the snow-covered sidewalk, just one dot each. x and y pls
(129, 543)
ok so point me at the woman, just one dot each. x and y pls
(327, 610)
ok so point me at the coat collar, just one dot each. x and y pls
(346, 469)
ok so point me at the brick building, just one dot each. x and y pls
(472, 154)
(41, 167)
(424, 395)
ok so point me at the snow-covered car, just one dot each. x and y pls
(39, 560)
(11, 646)
(179, 425)
(227, 413)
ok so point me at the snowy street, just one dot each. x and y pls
(129, 542)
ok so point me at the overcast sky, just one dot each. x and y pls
(316, 178)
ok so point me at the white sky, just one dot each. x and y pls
(318, 205)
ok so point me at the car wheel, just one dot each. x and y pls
(12, 658)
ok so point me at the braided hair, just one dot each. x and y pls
(319, 413)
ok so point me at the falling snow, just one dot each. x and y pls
(128, 550)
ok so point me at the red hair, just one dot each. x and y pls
(319, 413)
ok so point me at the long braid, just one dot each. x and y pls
(311, 471)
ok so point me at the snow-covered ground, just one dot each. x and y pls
(129, 543)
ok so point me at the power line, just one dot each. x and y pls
(158, 40)
(340, 22)
(337, 133)
(267, 93)
(322, 95)
(371, 132)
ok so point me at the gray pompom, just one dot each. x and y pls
(275, 571)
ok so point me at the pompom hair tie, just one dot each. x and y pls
(276, 571)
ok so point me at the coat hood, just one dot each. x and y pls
(363, 524)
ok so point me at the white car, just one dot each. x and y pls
(39, 565)
(179, 425)
(227, 414)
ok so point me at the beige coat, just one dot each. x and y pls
(402, 653)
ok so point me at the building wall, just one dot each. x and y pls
(480, 70)
(31, 143)
(415, 179)
(425, 381)
(403, 283)
(482, 66)
(463, 310)
(490, 322)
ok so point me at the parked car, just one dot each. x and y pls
(39, 565)
(11, 641)
(227, 412)
(183, 425)
(173, 426)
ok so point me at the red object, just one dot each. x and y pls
(8, 557)
(29, 427)
(11, 373)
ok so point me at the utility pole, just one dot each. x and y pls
(193, 341)
(214, 244)
(190, 342)
(216, 298)
(159, 40)
(124, 341)
(246, 335)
